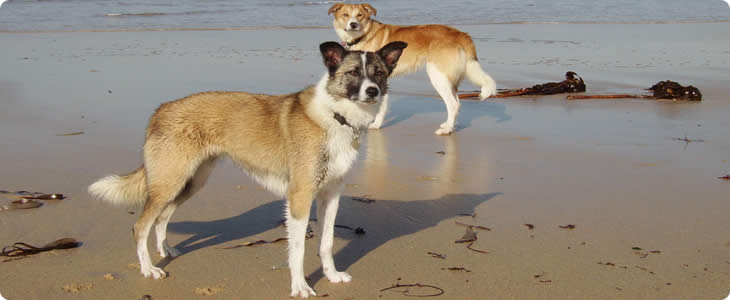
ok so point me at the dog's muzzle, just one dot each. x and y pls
(353, 25)
(372, 92)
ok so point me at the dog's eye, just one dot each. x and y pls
(346, 15)
(379, 73)
(359, 15)
(353, 72)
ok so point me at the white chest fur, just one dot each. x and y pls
(342, 148)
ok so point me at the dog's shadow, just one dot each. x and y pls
(383, 220)
(404, 107)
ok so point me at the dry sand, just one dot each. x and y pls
(610, 167)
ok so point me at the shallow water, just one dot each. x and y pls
(73, 15)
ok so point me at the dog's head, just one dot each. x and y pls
(357, 76)
(351, 20)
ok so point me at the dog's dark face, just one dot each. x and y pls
(358, 76)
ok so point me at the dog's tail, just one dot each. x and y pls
(475, 74)
(127, 190)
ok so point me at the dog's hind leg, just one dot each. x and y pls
(191, 187)
(167, 174)
(446, 88)
(299, 204)
(328, 201)
(476, 75)
(380, 116)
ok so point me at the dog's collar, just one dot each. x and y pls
(353, 43)
(355, 131)
(342, 120)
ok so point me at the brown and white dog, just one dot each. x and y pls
(299, 146)
(448, 54)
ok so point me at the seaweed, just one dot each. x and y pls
(364, 199)
(474, 226)
(70, 133)
(572, 84)
(436, 291)
(23, 249)
(469, 237)
(358, 230)
(436, 255)
(457, 269)
(667, 89)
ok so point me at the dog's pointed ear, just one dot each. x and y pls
(369, 8)
(391, 53)
(332, 53)
(335, 7)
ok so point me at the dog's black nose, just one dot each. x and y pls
(372, 92)
(354, 25)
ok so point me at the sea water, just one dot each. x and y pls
(102, 15)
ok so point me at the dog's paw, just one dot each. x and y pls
(488, 90)
(337, 277)
(375, 125)
(444, 131)
(301, 289)
(153, 272)
(167, 251)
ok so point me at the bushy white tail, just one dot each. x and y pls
(476, 75)
(128, 190)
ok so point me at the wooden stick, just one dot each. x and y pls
(618, 96)
(503, 94)
(468, 95)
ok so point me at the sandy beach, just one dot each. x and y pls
(650, 214)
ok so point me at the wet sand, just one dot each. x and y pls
(612, 168)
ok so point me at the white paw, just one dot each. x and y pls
(488, 91)
(442, 125)
(301, 289)
(375, 125)
(444, 131)
(337, 277)
(168, 251)
(153, 271)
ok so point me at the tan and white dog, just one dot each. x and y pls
(299, 146)
(448, 54)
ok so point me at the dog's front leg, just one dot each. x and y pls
(299, 203)
(327, 204)
(380, 116)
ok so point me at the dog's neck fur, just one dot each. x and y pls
(353, 41)
(323, 109)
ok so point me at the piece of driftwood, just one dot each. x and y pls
(617, 96)
(667, 89)
(572, 84)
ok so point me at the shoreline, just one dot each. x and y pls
(250, 28)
